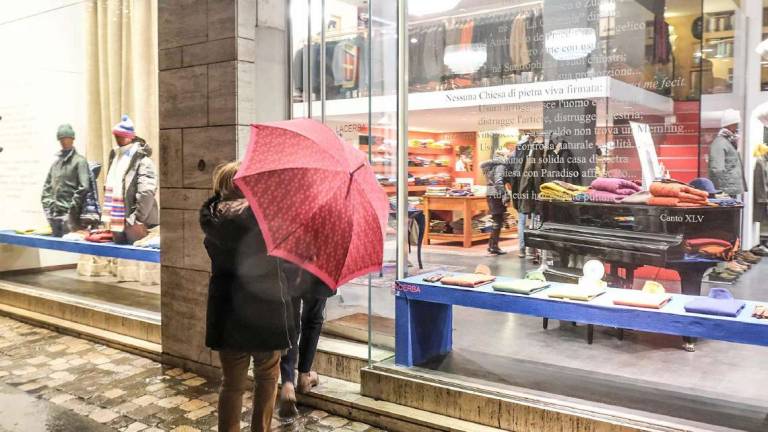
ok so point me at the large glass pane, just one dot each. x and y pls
(561, 91)
(351, 82)
(57, 111)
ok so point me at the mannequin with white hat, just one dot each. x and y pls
(725, 167)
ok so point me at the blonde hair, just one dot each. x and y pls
(223, 181)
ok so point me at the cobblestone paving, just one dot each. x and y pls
(121, 390)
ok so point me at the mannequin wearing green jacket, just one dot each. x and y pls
(66, 185)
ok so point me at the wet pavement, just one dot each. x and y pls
(57, 383)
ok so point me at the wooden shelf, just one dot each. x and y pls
(429, 151)
(720, 34)
(429, 169)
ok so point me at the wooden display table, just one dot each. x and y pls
(469, 206)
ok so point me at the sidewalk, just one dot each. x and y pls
(89, 387)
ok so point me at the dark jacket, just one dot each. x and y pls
(140, 186)
(249, 303)
(66, 185)
(496, 175)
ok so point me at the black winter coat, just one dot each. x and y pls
(249, 302)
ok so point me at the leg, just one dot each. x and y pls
(590, 333)
(423, 330)
(287, 407)
(498, 224)
(545, 323)
(621, 334)
(266, 371)
(426, 219)
(234, 368)
(288, 361)
(421, 224)
(312, 317)
(521, 233)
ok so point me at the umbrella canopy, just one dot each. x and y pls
(316, 199)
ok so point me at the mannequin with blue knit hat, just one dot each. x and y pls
(130, 206)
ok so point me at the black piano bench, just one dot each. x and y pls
(590, 329)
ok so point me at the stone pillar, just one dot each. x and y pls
(222, 67)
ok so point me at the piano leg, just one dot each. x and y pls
(691, 275)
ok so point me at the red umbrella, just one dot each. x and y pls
(316, 199)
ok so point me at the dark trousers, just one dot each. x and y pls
(498, 223)
(310, 322)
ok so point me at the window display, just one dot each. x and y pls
(609, 130)
(80, 234)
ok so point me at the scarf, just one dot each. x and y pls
(114, 202)
(730, 136)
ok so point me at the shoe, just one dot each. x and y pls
(748, 257)
(496, 251)
(307, 381)
(723, 276)
(759, 250)
(743, 263)
(287, 404)
(734, 267)
(521, 254)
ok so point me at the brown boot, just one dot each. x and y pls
(287, 405)
(307, 381)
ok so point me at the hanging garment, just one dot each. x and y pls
(345, 57)
(519, 56)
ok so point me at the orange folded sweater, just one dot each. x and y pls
(674, 202)
(677, 190)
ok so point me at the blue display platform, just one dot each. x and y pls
(424, 316)
(81, 247)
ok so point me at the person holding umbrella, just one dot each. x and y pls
(249, 314)
(319, 206)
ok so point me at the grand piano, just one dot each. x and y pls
(630, 236)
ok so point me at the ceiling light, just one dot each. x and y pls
(430, 7)
(465, 59)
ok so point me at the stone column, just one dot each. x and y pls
(222, 67)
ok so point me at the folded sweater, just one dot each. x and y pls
(575, 292)
(677, 190)
(615, 185)
(720, 302)
(641, 197)
(468, 280)
(521, 286)
(555, 191)
(673, 202)
(601, 196)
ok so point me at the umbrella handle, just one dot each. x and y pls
(351, 177)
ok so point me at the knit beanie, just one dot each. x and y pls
(124, 128)
(65, 131)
